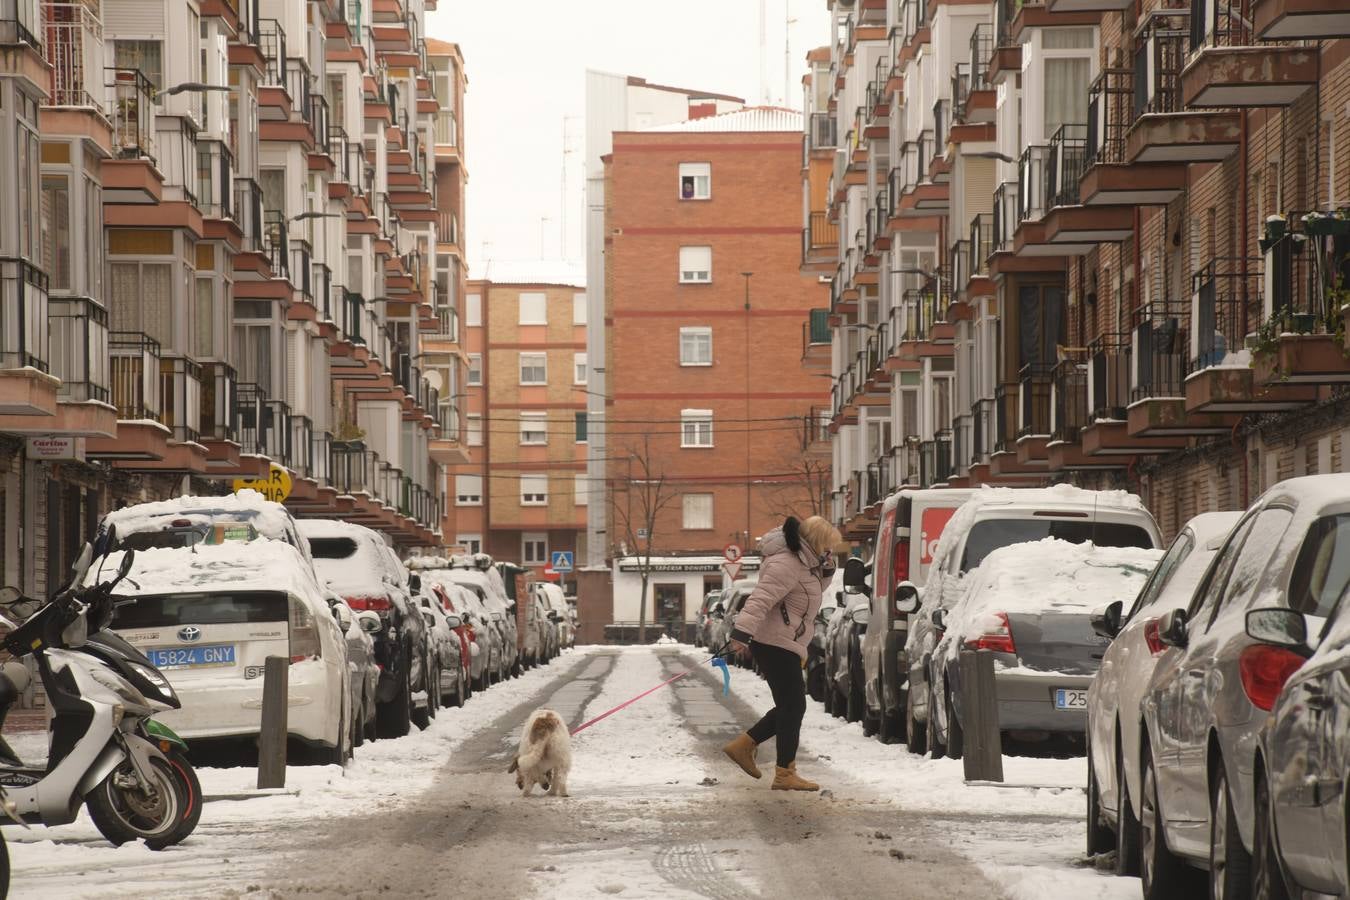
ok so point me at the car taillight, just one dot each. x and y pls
(996, 635)
(1264, 670)
(304, 633)
(1152, 638)
(377, 604)
(900, 564)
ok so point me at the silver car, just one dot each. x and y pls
(1114, 699)
(1212, 690)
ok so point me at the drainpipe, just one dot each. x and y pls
(1242, 456)
(1242, 240)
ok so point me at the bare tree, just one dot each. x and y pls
(648, 493)
(804, 487)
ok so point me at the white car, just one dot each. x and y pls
(557, 605)
(1116, 694)
(210, 616)
(465, 595)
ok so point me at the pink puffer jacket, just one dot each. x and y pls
(791, 581)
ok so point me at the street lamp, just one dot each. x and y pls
(195, 87)
(300, 217)
(990, 154)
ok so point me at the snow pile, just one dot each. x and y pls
(254, 566)
(270, 519)
(1049, 575)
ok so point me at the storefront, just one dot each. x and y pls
(676, 586)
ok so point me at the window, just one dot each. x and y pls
(475, 369)
(473, 430)
(204, 339)
(695, 181)
(698, 512)
(143, 299)
(472, 543)
(533, 368)
(696, 347)
(578, 309)
(695, 265)
(534, 490)
(1253, 559)
(56, 230)
(534, 548)
(143, 55)
(578, 368)
(1065, 102)
(581, 490)
(696, 428)
(1323, 567)
(533, 308)
(581, 428)
(473, 310)
(533, 428)
(468, 490)
(1177, 554)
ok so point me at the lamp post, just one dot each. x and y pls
(747, 276)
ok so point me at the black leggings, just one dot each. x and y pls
(782, 669)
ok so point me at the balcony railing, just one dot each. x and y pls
(821, 131)
(131, 99)
(1159, 340)
(1005, 418)
(1031, 193)
(1110, 114)
(276, 242)
(1159, 57)
(215, 169)
(300, 445)
(1065, 164)
(218, 401)
(447, 128)
(23, 315)
(272, 45)
(134, 360)
(1069, 398)
(1109, 376)
(321, 457)
(20, 22)
(351, 465)
(74, 49)
(301, 269)
(1222, 291)
(262, 425)
(1005, 218)
(1033, 395)
(984, 427)
(1215, 23)
(448, 230)
(248, 207)
(935, 459)
(79, 348)
(181, 390)
(981, 245)
(321, 284)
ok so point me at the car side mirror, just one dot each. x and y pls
(429, 619)
(1278, 626)
(370, 621)
(552, 616)
(906, 598)
(1106, 621)
(342, 615)
(855, 576)
(939, 619)
(453, 622)
(1172, 629)
(415, 583)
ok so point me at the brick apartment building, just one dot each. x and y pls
(1096, 241)
(705, 393)
(523, 494)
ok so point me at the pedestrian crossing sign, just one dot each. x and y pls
(562, 561)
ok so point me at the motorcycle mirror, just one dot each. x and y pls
(125, 565)
(81, 565)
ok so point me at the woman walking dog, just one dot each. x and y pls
(777, 623)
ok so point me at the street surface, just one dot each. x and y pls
(655, 811)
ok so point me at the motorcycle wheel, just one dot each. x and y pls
(4, 868)
(192, 790)
(122, 816)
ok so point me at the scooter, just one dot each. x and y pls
(106, 750)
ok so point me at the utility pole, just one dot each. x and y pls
(788, 22)
(747, 276)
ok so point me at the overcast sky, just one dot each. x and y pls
(526, 61)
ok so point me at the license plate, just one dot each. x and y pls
(188, 657)
(1071, 698)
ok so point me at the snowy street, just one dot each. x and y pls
(656, 810)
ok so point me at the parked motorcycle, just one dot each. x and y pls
(106, 750)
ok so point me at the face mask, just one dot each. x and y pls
(827, 566)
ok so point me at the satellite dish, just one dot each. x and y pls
(433, 378)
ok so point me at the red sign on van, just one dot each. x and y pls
(931, 524)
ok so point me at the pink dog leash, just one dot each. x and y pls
(606, 714)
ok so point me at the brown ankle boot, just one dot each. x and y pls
(742, 752)
(788, 780)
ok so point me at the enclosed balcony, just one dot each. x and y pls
(1307, 19)
(181, 393)
(20, 23)
(1164, 130)
(25, 386)
(1227, 297)
(132, 104)
(218, 402)
(820, 242)
(1229, 67)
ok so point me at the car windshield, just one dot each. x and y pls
(989, 535)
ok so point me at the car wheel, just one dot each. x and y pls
(889, 728)
(369, 719)
(956, 736)
(395, 717)
(1164, 875)
(916, 735)
(827, 692)
(936, 748)
(1230, 865)
(1267, 876)
(853, 710)
(1127, 826)
(1098, 834)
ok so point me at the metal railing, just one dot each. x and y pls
(1069, 398)
(218, 401)
(1065, 164)
(24, 334)
(248, 207)
(935, 459)
(981, 245)
(134, 366)
(131, 99)
(272, 45)
(350, 465)
(276, 242)
(1216, 23)
(79, 348)
(1109, 376)
(1031, 194)
(1005, 418)
(1222, 294)
(821, 131)
(181, 395)
(215, 169)
(1110, 114)
(984, 426)
(1005, 216)
(73, 46)
(1159, 56)
(1158, 339)
(1033, 400)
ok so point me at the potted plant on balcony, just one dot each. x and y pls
(1323, 224)
(1276, 228)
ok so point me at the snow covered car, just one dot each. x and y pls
(356, 563)
(843, 657)
(1031, 605)
(998, 517)
(474, 642)
(1216, 684)
(359, 628)
(444, 645)
(1302, 824)
(732, 600)
(1114, 699)
(555, 612)
(473, 585)
(210, 615)
(478, 574)
(830, 602)
(702, 623)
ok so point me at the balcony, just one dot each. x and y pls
(1033, 413)
(820, 242)
(935, 460)
(1301, 338)
(1069, 416)
(821, 132)
(816, 337)
(1069, 223)
(218, 402)
(1013, 17)
(74, 50)
(276, 243)
(261, 425)
(351, 466)
(131, 100)
(79, 349)
(20, 23)
(1109, 180)
(1307, 19)
(181, 393)
(137, 390)
(1229, 68)
(1159, 340)
(1164, 131)
(215, 170)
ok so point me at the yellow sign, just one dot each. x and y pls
(276, 486)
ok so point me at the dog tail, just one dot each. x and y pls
(515, 764)
(540, 730)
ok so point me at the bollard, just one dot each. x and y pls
(983, 751)
(272, 737)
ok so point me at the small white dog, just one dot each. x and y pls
(545, 754)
